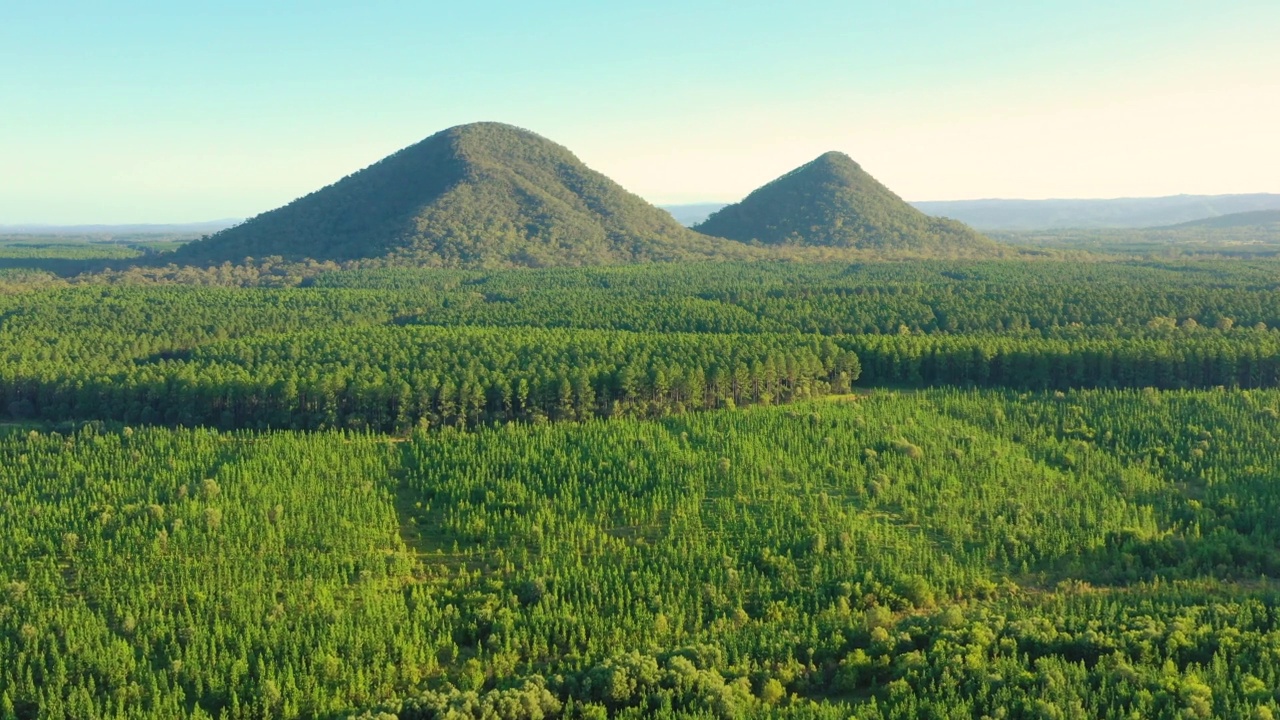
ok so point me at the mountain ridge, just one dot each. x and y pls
(1119, 213)
(1253, 218)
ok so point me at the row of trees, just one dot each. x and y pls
(1070, 359)
(880, 298)
(392, 378)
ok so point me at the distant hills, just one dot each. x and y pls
(196, 228)
(1257, 218)
(479, 195)
(1081, 214)
(833, 202)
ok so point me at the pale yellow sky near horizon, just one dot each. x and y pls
(1193, 134)
(152, 112)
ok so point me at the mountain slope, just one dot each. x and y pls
(1257, 218)
(479, 195)
(833, 202)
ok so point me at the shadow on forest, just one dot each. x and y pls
(1126, 558)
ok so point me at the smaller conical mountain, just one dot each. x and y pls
(479, 195)
(833, 202)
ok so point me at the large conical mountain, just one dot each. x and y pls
(485, 194)
(833, 202)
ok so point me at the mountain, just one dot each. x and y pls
(479, 195)
(833, 202)
(1079, 214)
(692, 214)
(1257, 218)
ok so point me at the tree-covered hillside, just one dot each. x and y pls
(832, 201)
(479, 195)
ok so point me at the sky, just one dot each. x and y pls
(175, 111)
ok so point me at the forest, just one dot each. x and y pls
(947, 488)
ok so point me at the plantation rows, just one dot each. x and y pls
(959, 297)
(838, 299)
(387, 349)
(943, 553)
(392, 378)
(925, 512)
(1072, 358)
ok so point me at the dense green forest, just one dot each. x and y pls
(949, 553)
(942, 488)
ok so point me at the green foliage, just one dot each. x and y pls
(898, 496)
(838, 298)
(834, 202)
(393, 377)
(480, 195)
(72, 254)
(151, 570)
(661, 339)
(619, 567)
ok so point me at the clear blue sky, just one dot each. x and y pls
(172, 111)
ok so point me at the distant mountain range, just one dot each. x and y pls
(1062, 214)
(1257, 218)
(833, 202)
(1079, 214)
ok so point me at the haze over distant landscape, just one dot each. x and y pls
(153, 113)
(1062, 214)
(1003, 214)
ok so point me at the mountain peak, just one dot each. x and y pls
(476, 195)
(487, 125)
(835, 158)
(488, 131)
(832, 201)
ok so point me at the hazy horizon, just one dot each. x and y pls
(150, 113)
(681, 211)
